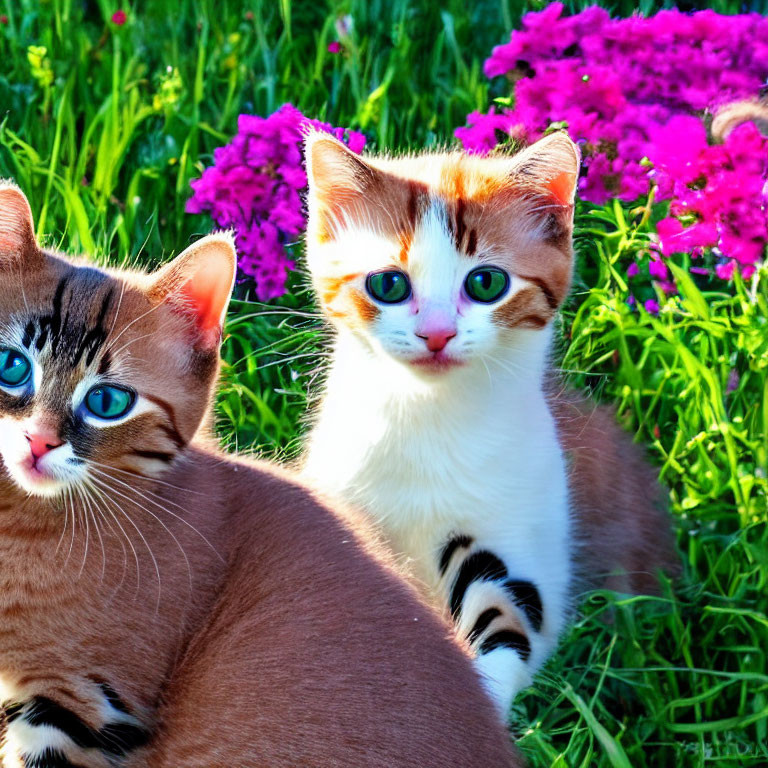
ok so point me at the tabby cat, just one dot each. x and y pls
(163, 604)
(442, 274)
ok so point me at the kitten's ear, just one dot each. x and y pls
(333, 170)
(550, 167)
(198, 283)
(341, 184)
(18, 246)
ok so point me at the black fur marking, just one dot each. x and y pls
(507, 638)
(51, 325)
(462, 540)
(113, 738)
(460, 227)
(113, 698)
(12, 711)
(119, 738)
(527, 597)
(48, 758)
(479, 566)
(105, 363)
(29, 334)
(167, 458)
(482, 623)
(95, 338)
(472, 242)
(173, 435)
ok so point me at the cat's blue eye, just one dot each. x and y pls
(486, 284)
(15, 368)
(390, 287)
(109, 402)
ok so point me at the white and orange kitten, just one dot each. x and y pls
(442, 274)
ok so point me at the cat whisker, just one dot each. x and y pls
(140, 506)
(117, 352)
(153, 480)
(109, 490)
(66, 522)
(295, 357)
(167, 511)
(117, 311)
(86, 518)
(100, 496)
(133, 322)
(68, 492)
(88, 503)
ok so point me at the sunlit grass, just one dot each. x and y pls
(105, 147)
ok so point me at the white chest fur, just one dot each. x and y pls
(474, 452)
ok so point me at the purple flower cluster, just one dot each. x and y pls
(254, 187)
(633, 90)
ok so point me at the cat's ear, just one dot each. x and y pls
(18, 246)
(340, 182)
(198, 283)
(334, 170)
(550, 167)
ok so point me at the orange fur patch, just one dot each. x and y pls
(367, 310)
(526, 309)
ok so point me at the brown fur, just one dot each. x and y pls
(235, 616)
(624, 532)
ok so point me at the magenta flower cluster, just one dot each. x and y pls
(719, 193)
(254, 187)
(635, 90)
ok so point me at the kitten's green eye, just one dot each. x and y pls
(486, 284)
(390, 287)
(109, 402)
(15, 368)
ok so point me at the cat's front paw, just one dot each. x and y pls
(42, 733)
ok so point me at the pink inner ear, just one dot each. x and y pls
(207, 295)
(561, 187)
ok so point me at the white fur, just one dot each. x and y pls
(469, 450)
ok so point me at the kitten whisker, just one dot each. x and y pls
(158, 505)
(114, 490)
(153, 480)
(116, 352)
(107, 490)
(88, 502)
(133, 322)
(68, 492)
(100, 496)
(117, 311)
(167, 529)
(86, 517)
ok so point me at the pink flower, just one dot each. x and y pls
(254, 187)
(334, 47)
(633, 270)
(651, 307)
(119, 18)
(725, 271)
(658, 269)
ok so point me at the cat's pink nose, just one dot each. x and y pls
(438, 339)
(41, 443)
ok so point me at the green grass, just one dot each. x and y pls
(105, 130)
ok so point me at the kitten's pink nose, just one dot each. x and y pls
(41, 443)
(437, 339)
